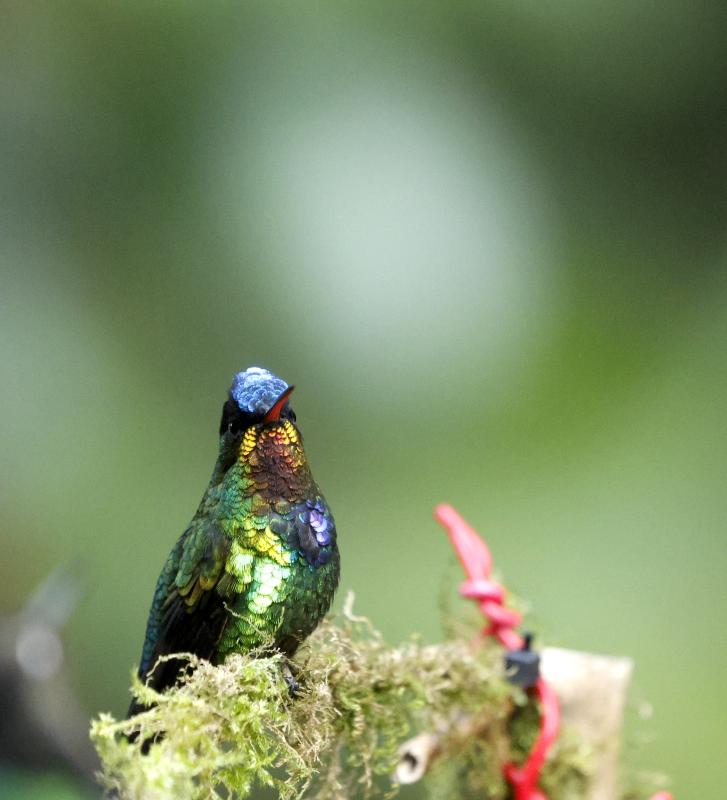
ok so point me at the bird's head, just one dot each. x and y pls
(257, 399)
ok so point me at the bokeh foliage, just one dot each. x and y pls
(486, 241)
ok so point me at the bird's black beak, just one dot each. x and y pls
(274, 414)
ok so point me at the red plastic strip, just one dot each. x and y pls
(476, 560)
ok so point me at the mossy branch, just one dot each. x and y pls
(227, 729)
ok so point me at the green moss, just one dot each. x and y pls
(227, 729)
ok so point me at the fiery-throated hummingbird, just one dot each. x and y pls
(258, 564)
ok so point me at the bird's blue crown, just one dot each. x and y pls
(256, 389)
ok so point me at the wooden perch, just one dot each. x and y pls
(592, 691)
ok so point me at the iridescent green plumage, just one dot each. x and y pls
(258, 565)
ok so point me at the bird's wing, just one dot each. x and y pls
(188, 613)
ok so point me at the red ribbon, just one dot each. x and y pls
(476, 560)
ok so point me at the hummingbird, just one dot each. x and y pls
(258, 565)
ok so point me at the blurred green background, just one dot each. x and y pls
(486, 240)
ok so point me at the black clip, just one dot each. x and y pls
(523, 666)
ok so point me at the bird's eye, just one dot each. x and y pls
(288, 413)
(234, 420)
